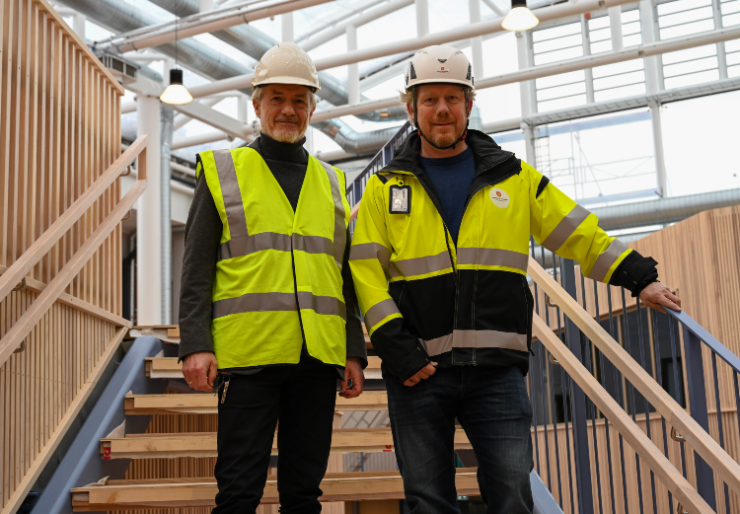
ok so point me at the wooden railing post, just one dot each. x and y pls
(578, 401)
(698, 408)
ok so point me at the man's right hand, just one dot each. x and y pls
(200, 369)
(424, 373)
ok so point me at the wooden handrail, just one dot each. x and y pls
(15, 336)
(727, 469)
(20, 268)
(658, 463)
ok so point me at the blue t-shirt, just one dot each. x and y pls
(452, 177)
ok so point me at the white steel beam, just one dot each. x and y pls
(422, 18)
(536, 72)
(486, 27)
(358, 21)
(287, 27)
(356, 11)
(353, 70)
(201, 23)
(476, 43)
(200, 139)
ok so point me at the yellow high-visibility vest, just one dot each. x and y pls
(278, 274)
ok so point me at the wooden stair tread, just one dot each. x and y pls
(147, 404)
(168, 367)
(156, 446)
(171, 333)
(197, 492)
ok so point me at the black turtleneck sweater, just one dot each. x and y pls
(288, 163)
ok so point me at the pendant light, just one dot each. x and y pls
(176, 93)
(520, 17)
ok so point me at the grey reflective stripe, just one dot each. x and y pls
(362, 251)
(231, 193)
(438, 345)
(490, 339)
(607, 259)
(250, 244)
(380, 311)
(312, 244)
(340, 229)
(327, 305)
(565, 228)
(264, 302)
(475, 339)
(421, 265)
(493, 257)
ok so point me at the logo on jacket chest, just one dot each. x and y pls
(500, 198)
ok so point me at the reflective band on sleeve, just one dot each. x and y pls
(565, 228)
(340, 229)
(380, 311)
(231, 193)
(490, 339)
(492, 257)
(264, 302)
(607, 259)
(421, 265)
(371, 251)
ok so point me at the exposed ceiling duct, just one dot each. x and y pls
(123, 17)
(255, 43)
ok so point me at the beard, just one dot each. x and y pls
(286, 134)
(444, 137)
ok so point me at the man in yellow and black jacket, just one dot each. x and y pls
(439, 260)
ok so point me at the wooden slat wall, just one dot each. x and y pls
(59, 130)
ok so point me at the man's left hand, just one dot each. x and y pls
(352, 371)
(658, 295)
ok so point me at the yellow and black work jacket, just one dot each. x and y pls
(422, 296)
(274, 262)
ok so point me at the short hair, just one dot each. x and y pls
(409, 97)
(257, 95)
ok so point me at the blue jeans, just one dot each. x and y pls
(493, 407)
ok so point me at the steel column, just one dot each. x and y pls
(353, 70)
(149, 218)
(698, 408)
(578, 401)
(422, 18)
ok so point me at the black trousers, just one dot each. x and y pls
(302, 397)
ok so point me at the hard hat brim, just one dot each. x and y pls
(288, 80)
(437, 81)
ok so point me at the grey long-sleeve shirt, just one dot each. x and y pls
(288, 163)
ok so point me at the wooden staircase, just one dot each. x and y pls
(163, 491)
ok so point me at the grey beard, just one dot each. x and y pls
(285, 135)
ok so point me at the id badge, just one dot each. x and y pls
(400, 200)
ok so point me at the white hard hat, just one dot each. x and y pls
(439, 64)
(286, 63)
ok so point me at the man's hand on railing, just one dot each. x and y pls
(658, 296)
(353, 372)
(200, 369)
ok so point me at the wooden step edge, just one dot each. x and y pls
(360, 486)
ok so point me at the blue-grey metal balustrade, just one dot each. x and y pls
(567, 419)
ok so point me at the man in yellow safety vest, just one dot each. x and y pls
(268, 311)
(439, 259)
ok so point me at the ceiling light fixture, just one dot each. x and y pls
(520, 17)
(176, 93)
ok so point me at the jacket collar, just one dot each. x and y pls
(489, 158)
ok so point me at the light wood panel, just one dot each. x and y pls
(143, 404)
(203, 444)
(59, 132)
(168, 367)
(130, 494)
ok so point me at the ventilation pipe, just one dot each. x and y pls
(255, 43)
(123, 17)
